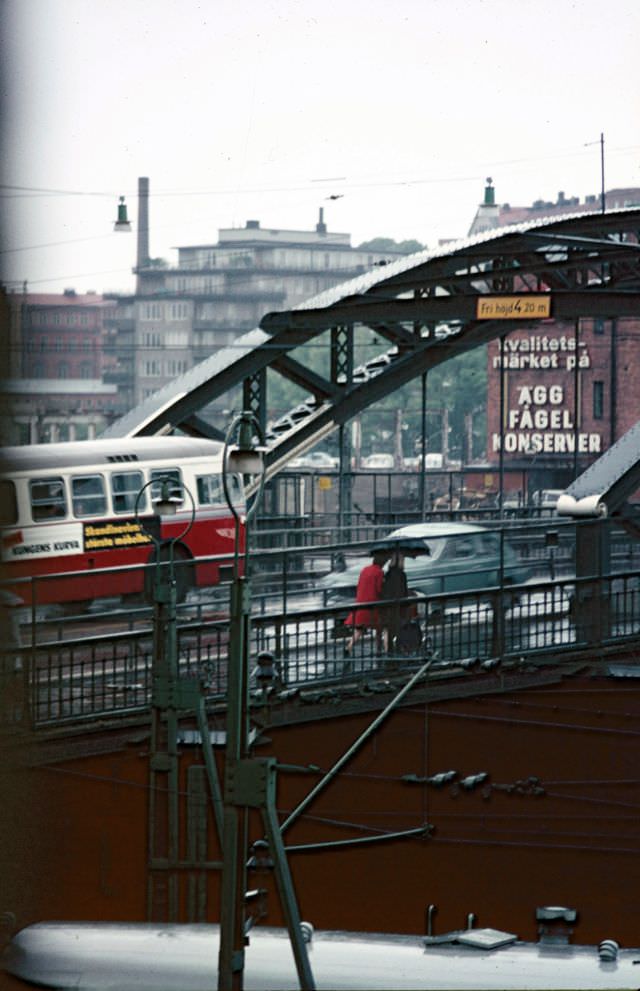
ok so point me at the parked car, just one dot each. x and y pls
(320, 460)
(461, 557)
(546, 498)
(379, 461)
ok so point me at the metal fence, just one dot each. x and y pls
(86, 677)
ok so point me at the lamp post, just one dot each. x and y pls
(166, 701)
(249, 782)
(243, 459)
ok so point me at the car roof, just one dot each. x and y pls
(441, 529)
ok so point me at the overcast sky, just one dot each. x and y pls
(262, 110)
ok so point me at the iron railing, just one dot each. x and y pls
(86, 677)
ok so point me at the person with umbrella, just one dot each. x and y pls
(394, 591)
(398, 615)
(369, 590)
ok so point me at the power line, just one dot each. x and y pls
(312, 184)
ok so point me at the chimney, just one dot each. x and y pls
(143, 224)
(321, 227)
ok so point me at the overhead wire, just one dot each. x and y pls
(310, 184)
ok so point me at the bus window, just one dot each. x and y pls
(88, 495)
(48, 499)
(8, 503)
(125, 486)
(162, 475)
(209, 490)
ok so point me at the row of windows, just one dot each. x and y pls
(164, 311)
(153, 368)
(165, 339)
(62, 371)
(88, 494)
(60, 318)
(60, 343)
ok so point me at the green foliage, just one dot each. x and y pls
(459, 385)
(388, 244)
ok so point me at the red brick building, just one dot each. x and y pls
(61, 334)
(55, 367)
(569, 390)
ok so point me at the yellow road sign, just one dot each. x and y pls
(526, 307)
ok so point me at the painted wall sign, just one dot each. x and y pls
(541, 352)
(542, 423)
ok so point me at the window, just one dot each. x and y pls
(88, 495)
(171, 475)
(598, 326)
(490, 543)
(178, 311)
(151, 311)
(8, 503)
(209, 490)
(459, 547)
(125, 487)
(598, 400)
(48, 499)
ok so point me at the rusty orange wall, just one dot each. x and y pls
(78, 850)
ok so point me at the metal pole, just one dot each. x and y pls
(423, 456)
(233, 887)
(355, 746)
(231, 955)
(501, 455)
(576, 397)
(602, 195)
(613, 383)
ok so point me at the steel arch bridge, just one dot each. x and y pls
(430, 306)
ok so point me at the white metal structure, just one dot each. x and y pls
(150, 957)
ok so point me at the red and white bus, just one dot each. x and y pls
(70, 510)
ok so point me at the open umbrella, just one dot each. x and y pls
(409, 546)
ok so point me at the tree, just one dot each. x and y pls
(388, 244)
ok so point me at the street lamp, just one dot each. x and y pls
(166, 696)
(249, 782)
(242, 458)
(122, 224)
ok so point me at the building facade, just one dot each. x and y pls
(53, 375)
(559, 393)
(181, 314)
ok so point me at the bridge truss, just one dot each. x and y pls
(429, 307)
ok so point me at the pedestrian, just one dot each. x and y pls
(369, 590)
(394, 589)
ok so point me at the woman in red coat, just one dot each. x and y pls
(369, 590)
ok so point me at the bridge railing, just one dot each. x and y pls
(106, 675)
